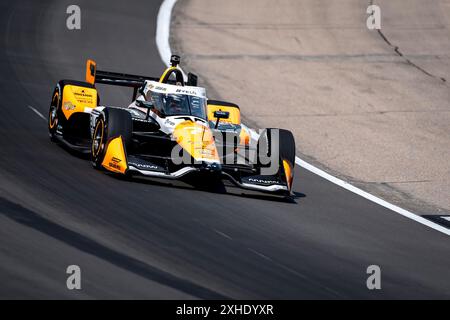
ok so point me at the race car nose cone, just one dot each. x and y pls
(212, 166)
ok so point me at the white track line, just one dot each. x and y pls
(370, 197)
(163, 30)
(162, 42)
(38, 113)
(223, 234)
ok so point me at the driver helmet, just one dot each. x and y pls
(174, 104)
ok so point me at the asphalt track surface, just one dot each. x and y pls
(136, 239)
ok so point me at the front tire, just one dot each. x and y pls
(287, 156)
(110, 124)
(53, 116)
(286, 152)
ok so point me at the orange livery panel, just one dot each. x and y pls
(77, 98)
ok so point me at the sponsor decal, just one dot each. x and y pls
(83, 94)
(170, 88)
(152, 86)
(206, 152)
(116, 160)
(263, 181)
(83, 97)
(160, 88)
(143, 166)
(169, 122)
(186, 91)
(69, 106)
(115, 163)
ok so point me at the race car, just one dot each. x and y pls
(169, 130)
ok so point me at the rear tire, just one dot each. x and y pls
(111, 124)
(53, 115)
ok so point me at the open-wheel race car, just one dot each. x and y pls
(169, 130)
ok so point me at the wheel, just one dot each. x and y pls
(53, 116)
(98, 143)
(111, 124)
(287, 155)
(286, 152)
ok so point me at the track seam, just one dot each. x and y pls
(400, 54)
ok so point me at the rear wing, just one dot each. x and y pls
(94, 76)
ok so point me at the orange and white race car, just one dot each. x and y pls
(169, 130)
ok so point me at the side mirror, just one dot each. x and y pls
(145, 104)
(219, 114)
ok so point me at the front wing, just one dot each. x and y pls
(244, 176)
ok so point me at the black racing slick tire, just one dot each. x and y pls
(285, 143)
(54, 113)
(112, 123)
(287, 156)
(287, 146)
